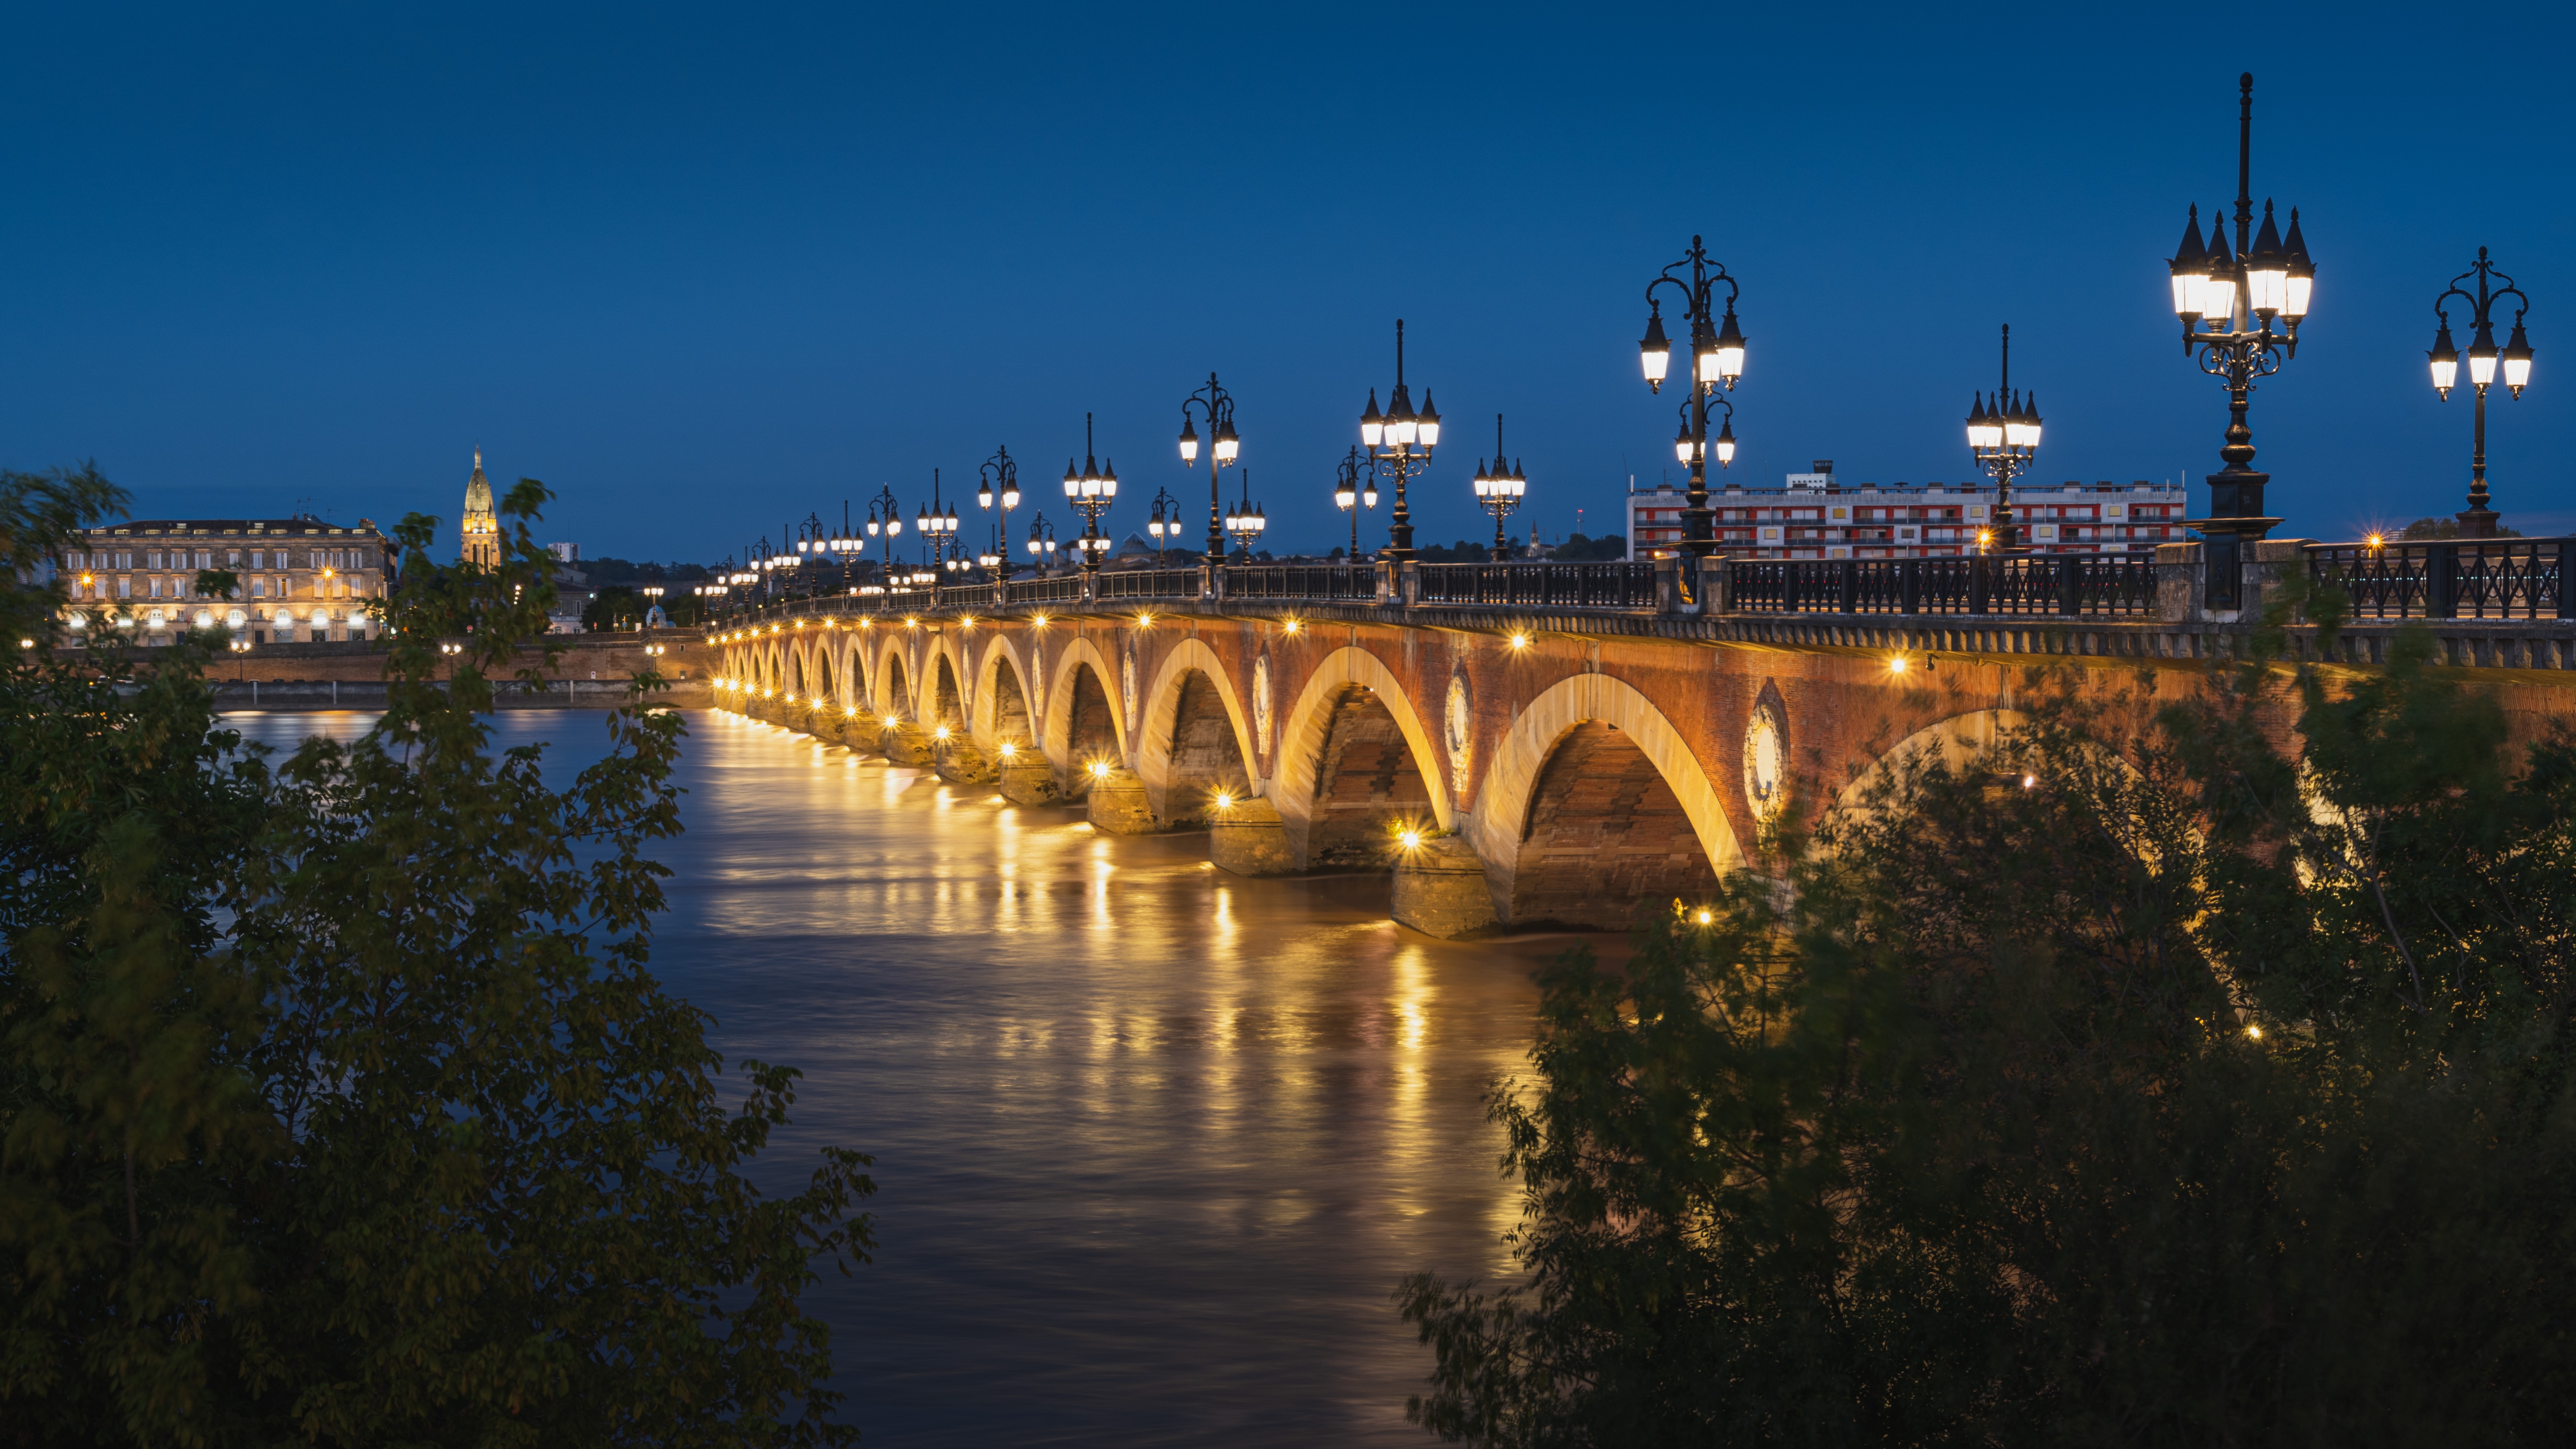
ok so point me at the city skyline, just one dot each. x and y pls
(701, 277)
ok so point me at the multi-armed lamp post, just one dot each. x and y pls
(2003, 433)
(1717, 360)
(1165, 525)
(885, 520)
(1400, 441)
(1248, 522)
(1091, 492)
(2479, 521)
(1499, 490)
(1000, 485)
(1215, 404)
(1351, 492)
(939, 530)
(2228, 296)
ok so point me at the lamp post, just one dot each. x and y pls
(1217, 405)
(1247, 522)
(2237, 291)
(937, 529)
(2003, 437)
(1164, 525)
(1717, 360)
(1091, 492)
(2478, 520)
(1499, 490)
(1400, 441)
(885, 520)
(1351, 493)
(1000, 486)
(1041, 542)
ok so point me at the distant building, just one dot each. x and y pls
(569, 553)
(301, 579)
(478, 535)
(1812, 515)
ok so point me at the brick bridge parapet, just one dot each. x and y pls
(1515, 764)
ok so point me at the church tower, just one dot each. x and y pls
(479, 537)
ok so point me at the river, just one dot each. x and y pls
(1153, 1143)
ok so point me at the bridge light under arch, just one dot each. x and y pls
(1040, 621)
(1520, 641)
(1224, 801)
(1144, 621)
(912, 623)
(1409, 839)
(1897, 665)
(1009, 749)
(1291, 626)
(940, 733)
(1100, 769)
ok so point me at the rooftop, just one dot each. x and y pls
(297, 526)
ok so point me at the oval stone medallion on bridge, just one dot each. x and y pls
(1458, 732)
(1766, 754)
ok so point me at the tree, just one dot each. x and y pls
(2193, 1091)
(340, 1105)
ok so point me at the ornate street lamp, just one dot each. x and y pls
(2479, 521)
(1091, 492)
(1041, 541)
(2237, 292)
(1247, 522)
(1000, 486)
(1351, 492)
(1400, 441)
(1165, 524)
(1215, 404)
(1499, 490)
(2003, 434)
(1717, 360)
(935, 529)
(885, 520)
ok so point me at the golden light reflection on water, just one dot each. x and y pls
(1154, 1141)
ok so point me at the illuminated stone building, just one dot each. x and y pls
(301, 579)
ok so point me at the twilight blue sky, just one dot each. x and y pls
(707, 268)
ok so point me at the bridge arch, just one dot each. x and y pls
(1082, 718)
(1193, 737)
(1594, 806)
(894, 682)
(1002, 713)
(1353, 758)
(1957, 740)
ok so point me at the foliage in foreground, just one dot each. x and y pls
(337, 1104)
(2220, 1096)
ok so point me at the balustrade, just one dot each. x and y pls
(1302, 581)
(2496, 578)
(1541, 585)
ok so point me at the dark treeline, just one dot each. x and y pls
(2210, 1088)
(338, 1103)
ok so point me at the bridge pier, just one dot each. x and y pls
(1115, 803)
(1026, 778)
(905, 743)
(1440, 890)
(960, 763)
(1247, 837)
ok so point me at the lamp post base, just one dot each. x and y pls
(2477, 522)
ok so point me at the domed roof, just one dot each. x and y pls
(478, 489)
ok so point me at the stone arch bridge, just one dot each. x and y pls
(1567, 760)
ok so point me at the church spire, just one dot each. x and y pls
(478, 533)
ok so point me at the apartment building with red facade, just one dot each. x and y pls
(1814, 515)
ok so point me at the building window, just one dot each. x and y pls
(125, 588)
(259, 588)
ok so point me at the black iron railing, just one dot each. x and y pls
(1541, 585)
(2060, 585)
(1064, 589)
(1302, 581)
(1147, 584)
(2492, 578)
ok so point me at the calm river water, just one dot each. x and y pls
(1153, 1143)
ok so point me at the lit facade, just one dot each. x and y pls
(1813, 515)
(478, 534)
(301, 579)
